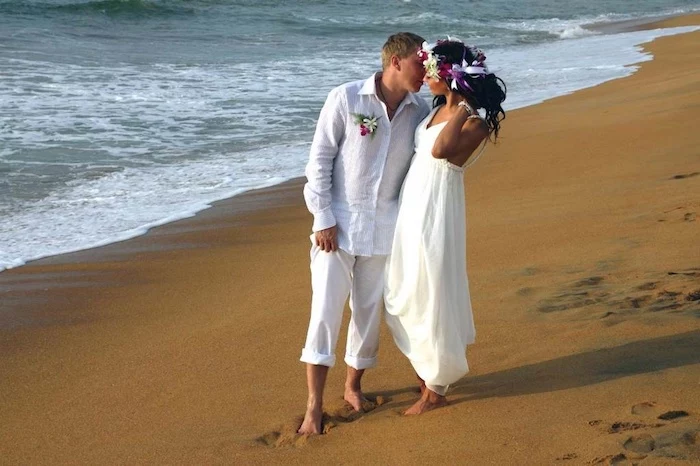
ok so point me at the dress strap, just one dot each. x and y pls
(429, 118)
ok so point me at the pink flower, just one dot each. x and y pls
(444, 69)
(367, 123)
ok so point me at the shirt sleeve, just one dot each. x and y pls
(324, 149)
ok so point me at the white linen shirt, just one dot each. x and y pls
(353, 180)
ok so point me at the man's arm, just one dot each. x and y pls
(319, 170)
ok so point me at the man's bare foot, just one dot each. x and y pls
(428, 401)
(315, 381)
(355, 398)
(353, 390)
(312, 421)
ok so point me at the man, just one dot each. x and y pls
(359, 157)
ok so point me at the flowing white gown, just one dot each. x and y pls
(427, 301)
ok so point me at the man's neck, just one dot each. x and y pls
(393, 94)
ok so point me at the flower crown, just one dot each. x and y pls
(437, 66)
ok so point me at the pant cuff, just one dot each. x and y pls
(312, 357)
(360, 363)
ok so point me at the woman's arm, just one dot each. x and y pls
(460, 137)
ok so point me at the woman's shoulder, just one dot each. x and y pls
(476, 123)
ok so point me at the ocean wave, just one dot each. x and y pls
(536, 30)
(99, 7)
(421, 19)
(574, 32)
(125, 7)
(424, 19)
(564, 29)
(120, 204)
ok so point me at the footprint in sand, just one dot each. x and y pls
(651, 409)
(606, 265)
(581, 293)
(287, 436)
(648, 286)
(684, 176)
(647, 408)
(671, 415)
(610, 460)
(529, 271)
(679, 444)
(284, 436)
(617, 299)
(677, 438)
(590, 281)
(683, 213)
(666, 300)
(526, 291)
(617, 427)
(636, 302)
(643, 443)
(692, 272)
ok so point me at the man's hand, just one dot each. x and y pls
(327, 239)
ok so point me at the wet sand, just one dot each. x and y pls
(182, 346)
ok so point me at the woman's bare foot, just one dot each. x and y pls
(312, 420)
(428, 401)
(421, 385)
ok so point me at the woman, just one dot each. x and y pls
(427, 294)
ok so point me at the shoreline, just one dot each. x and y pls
(67, 271)
(606, 28)
(639, 24)
(182, 345)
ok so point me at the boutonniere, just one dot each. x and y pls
(368, 124)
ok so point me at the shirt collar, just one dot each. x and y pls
(369, 88)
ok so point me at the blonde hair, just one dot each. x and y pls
(402, 45)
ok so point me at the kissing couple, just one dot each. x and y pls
(386, 191)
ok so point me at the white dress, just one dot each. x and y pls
(427, 301)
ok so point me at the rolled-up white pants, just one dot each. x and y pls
(334, 276)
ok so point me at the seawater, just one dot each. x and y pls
(119, 115)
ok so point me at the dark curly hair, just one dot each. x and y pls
(487, 91)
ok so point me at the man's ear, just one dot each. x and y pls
(396, 62)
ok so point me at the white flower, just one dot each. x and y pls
(430, 62)
(370, 124)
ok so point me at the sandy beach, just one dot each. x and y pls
(181, 346)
